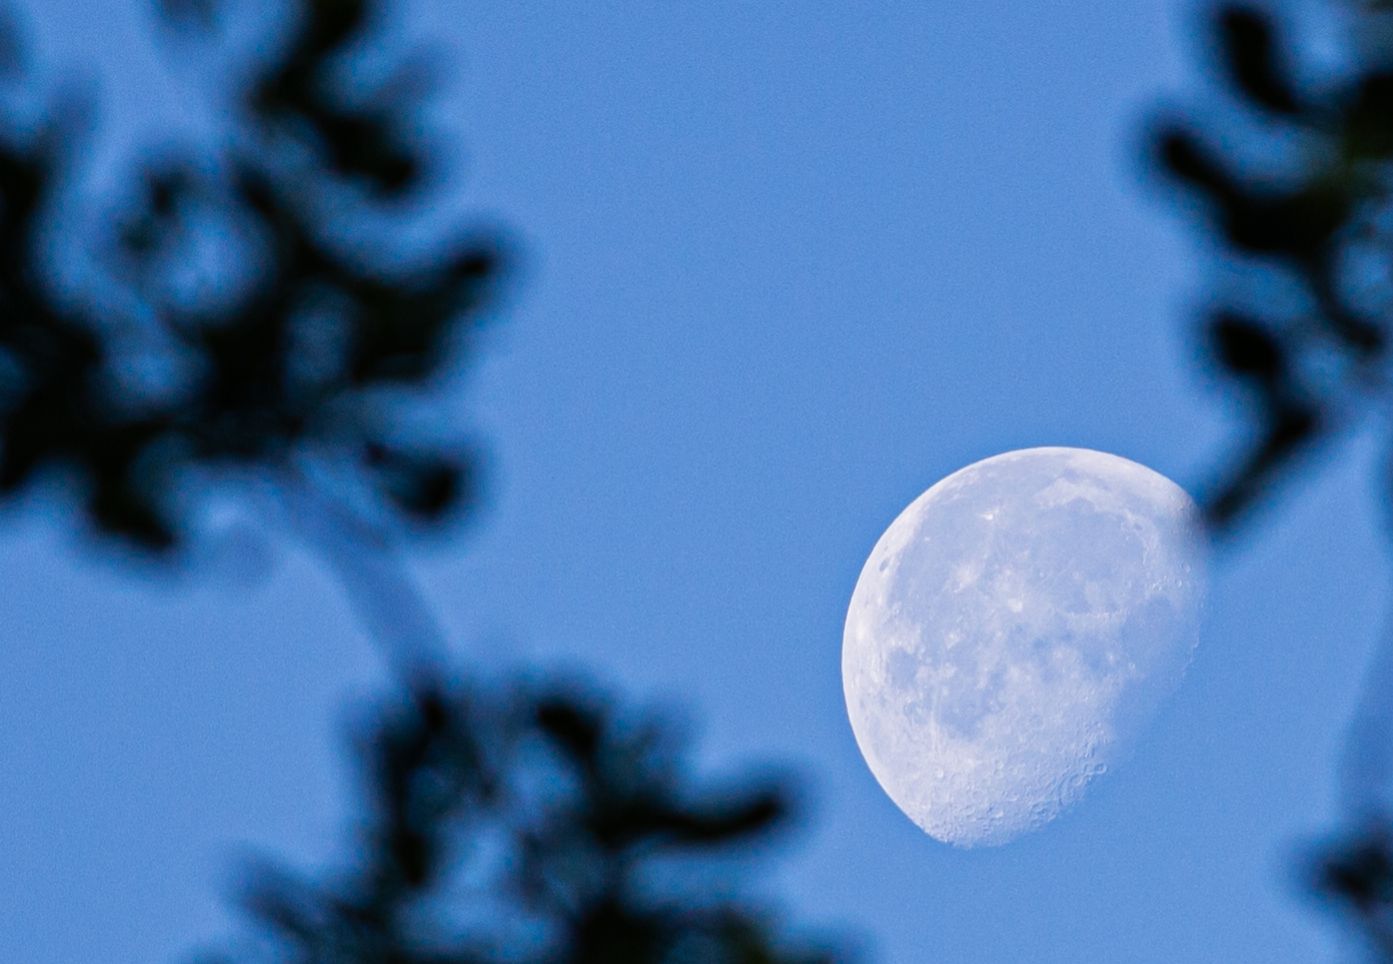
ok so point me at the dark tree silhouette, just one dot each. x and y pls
(257, 319)
(1292, 176)
(285, 351)
(1300, 318)
(535, 825)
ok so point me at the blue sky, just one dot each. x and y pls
(786, 266)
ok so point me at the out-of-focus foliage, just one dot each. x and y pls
(249, 320)
(258, 316)
(1356, 876)
(538, 824)
(1292, 175)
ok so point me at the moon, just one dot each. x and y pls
(1012, 631)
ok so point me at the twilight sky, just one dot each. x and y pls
(786, 266)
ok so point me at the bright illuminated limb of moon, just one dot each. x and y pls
(1012, 629)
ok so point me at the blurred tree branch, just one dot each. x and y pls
(251, 326)
(239, 334)
(1300, 326)
(1300, 319)
(535, 825)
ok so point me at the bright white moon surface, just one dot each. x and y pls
(1013, 629)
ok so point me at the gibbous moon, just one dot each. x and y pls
(1011, 631)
